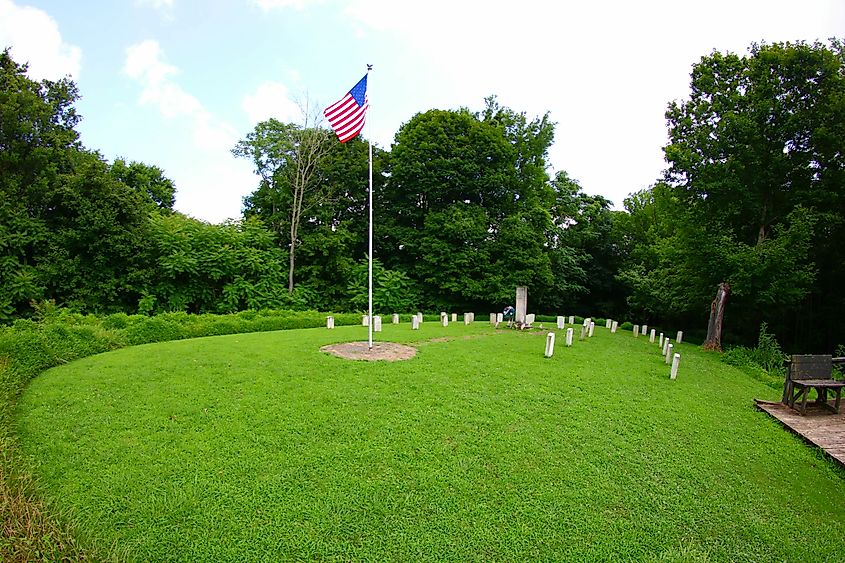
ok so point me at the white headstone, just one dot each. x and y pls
(583, 333)
(415, 323)
(395, 319)
(651, 336)
(454, 317)
(500, 317)
(365, 320)
(569, 336)
(587, 321)
(561, 322)
(669, 353)
(607, 323)
(665, 346)
(660, 343)
(676, 361)
(442, 314)
(614, 326)
(636, 330)
(492, 318)
(376, 323)
(644, 330)
(529, 319)
(550, 344)
(592, 328)
(571, 319)
(444, 320)
(329, 322)
(467, 319)
(680, 337)
(420, 315)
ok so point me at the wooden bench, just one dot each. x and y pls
(811, 372)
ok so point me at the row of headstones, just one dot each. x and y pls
(589, 326)
(669, 355)
(416, 320)
(587, 330)
(651, 337)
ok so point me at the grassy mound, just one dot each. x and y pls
(259, 446)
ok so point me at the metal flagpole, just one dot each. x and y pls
(370, 266)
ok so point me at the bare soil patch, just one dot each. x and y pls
(386, 351)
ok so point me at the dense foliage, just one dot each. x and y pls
(754, 196)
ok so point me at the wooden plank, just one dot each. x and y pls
(818, 427)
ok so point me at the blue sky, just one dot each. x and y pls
(176, 83)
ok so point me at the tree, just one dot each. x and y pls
(204, 268)
(584, 230)
(717, 314)
(287, 156)
(69, 231)
(756, 166)
(466, 206)
(37, 121)
(148, 181)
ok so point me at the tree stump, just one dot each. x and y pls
(717, 314)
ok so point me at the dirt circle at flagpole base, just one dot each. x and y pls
(384, 351)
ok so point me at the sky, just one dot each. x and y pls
(176, 83)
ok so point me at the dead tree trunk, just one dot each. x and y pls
(717, 314)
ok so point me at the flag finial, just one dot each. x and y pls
(369, 67)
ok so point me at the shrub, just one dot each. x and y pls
(116, 321)
(765, 362)
(768, 354)
(626, 326)
(154, 329)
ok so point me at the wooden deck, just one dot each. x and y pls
(820, 427)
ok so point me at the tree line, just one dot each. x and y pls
(753, 199)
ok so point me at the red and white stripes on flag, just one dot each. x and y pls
(347, 115)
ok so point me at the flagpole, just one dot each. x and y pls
(370, 253)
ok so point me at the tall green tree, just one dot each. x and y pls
(37, 121)
(755, 161)
(467, 205)
(333, 233)
(287, 157)
(587, 241)
(69, 230)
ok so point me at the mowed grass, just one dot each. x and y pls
(261, 447)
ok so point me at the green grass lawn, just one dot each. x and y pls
(261, 447)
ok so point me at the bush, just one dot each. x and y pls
(154, 329)
(768, 354)
(626, 326)
(118, 321)
(765, 362)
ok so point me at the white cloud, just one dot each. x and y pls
(210, 181)
(270, 99)
(34, 38)
(146, 65)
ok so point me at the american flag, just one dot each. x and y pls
(346, 116)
